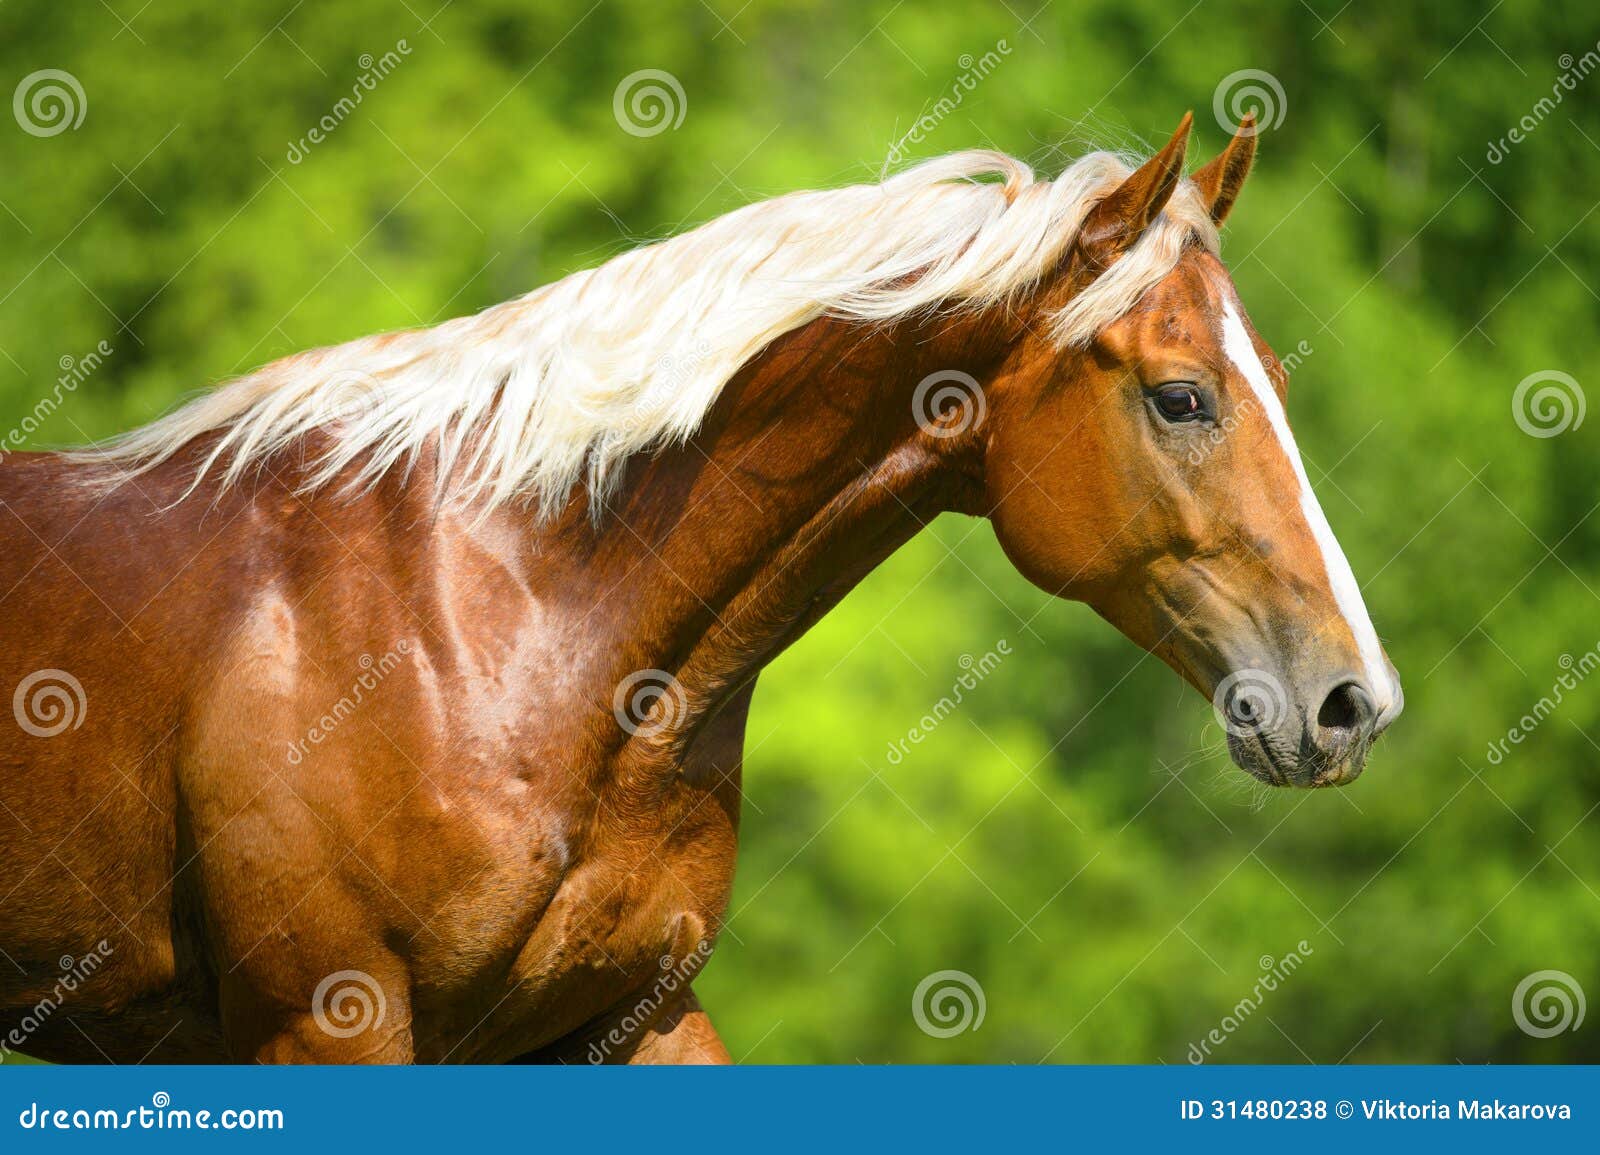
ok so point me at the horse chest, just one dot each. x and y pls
(641, 900)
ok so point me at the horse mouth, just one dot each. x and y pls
(1271, 760)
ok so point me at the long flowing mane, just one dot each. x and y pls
(524, 399)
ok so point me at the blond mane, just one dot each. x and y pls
(525, 399)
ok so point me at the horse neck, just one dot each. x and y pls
(809, 471)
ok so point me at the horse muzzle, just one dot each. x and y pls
(1286, 736)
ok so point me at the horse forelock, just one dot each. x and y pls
(531, 397)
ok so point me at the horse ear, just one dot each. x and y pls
(1116, 223)
(1220, 181)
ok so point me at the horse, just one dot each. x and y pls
(387, 704)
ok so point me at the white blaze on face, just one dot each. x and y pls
(1241, 351)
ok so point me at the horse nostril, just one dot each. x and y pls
(1349, 712)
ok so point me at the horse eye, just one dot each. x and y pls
(1179, 402)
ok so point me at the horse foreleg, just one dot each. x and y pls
(679, 1032)
(353, 1018)
(304, 1041)
(682, 1035)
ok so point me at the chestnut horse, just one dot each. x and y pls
(387, 704)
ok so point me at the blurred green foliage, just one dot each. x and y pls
(1072, 837)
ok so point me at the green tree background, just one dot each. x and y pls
(1071, 837)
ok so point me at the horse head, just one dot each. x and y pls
(1148, 469)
